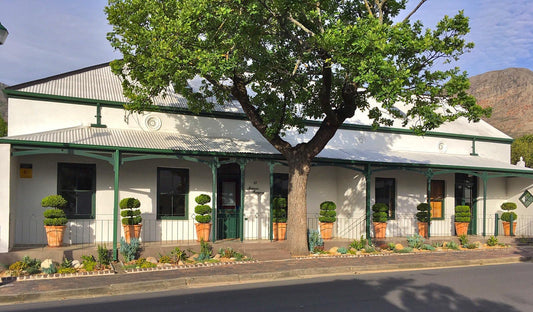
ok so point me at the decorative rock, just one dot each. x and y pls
(333, 250)
(216, 257)
(398, 246)
(194, 256)
(46, 264)
(180, 262)
(151, 260)
(76, 264)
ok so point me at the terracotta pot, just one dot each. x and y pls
(54, 235)
(326, 230)
(380, 229)
(461, 228)
(282, 229)
(131, 231)
(507, 228)
(275, 231)
(203, 230)
(423, 229)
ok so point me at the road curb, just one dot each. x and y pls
(212, 280)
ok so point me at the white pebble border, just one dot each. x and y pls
(56, 276)
(187, 266)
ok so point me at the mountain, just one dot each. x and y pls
(510, 94)
(3, 102)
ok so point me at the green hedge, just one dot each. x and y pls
(55, 201)
(423, 212)
(327, 212)
(462, 214)
(380, 212)
(506, 216)
(129, 203)
(202, 199)
(508, 206)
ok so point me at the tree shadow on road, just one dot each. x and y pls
(377, 293)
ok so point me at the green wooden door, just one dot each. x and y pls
(228, 207)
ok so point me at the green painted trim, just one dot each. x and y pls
(116, 189)
(368, 181)
(241, 116)
(271, 195)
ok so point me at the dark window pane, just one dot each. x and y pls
(77, 184)
(385, 192)
(173, 187)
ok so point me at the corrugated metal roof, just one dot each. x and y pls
(99, 83)
(162, 141)
(148, 140)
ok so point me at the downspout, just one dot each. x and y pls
(368, 180)
(271, 176)
(429, 176)
(116, 168)
(214, 172)
(242, 165)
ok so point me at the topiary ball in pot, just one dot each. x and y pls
(54, 216)
(423, 212)
(203, 211)
(462, 214)
(380, 212)
(130, 213)
(327, 212)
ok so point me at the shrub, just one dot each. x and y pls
(178, 254)
(508, 206)
(342, 250)
(506, 216)
(130, 251)
(89, 264)
(391, 246)
(279, 212)
(54, 201)
(452, 245)
(54, 216)
(104, 257)
(131, 215)
(48, 267)
(415, 241)
(471, 245)
(427, 247)
(206, 251)
(423, 212)
(370, 249)
(437, 244)
(141, 263)
(492, 241)
(314, 239)
(327, 212)
(463, 239)
(66, 270)
(359, 244)
(404, 250)
(462, 214)
(202, 210)
(380, 212)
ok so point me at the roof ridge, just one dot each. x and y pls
(58, 76)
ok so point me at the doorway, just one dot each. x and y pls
(466, 195)
(228, 201)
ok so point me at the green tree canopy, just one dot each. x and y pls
(288, 61)
(523, 147)
(3, 127)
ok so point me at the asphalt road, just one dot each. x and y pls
(486, 288)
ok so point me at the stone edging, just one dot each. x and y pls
(187, 266)
(56, 276)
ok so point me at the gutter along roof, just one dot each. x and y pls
(139, 141)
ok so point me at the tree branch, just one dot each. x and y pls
(413, 12)
(300, 25)
(368, 8)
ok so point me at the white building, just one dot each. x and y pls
(69, 134)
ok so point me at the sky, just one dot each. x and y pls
(50, 37)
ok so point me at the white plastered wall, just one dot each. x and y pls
(515, 188)
(256, 201)
(5, 197)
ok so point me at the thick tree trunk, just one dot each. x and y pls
(299, 168)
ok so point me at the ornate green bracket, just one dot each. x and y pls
(474, 148)
(98, 116)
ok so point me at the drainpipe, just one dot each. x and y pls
(116, 168)
(368, 180)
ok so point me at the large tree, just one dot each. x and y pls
(288, 61)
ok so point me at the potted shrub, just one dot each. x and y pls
(422, 216)
(131, 218)
(55, 219)
(379, 219)
(508, 217)
(279, 218)
(462, 220)
(203, 217)
(327, 217)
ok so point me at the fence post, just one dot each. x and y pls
(496, 219)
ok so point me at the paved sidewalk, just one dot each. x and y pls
(263, 270)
